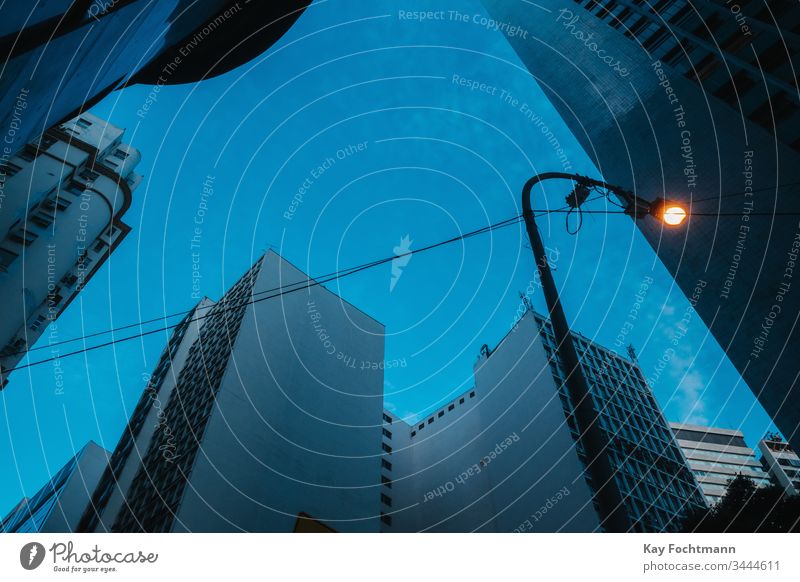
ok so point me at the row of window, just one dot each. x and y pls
(440, 414)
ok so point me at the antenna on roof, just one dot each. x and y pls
(525, 301)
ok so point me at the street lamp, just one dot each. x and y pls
(608, 497)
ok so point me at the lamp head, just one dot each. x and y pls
(669, 212)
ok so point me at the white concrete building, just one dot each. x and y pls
(716, 456)
(264, 415)
(62, 199)
(781, 462)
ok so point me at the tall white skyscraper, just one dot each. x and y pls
(263, 414)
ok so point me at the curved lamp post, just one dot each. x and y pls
(607, 495)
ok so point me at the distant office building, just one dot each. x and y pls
(263, 414)
(504, 456)
(781, 462)
(58, 506)
(62, 57)
(695, 102)
(62, 203)
(716, 456)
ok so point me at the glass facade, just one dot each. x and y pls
(30, 515)
(656, 485)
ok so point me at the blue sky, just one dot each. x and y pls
(437, 158)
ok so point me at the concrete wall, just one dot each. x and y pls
(502, 461)
(297, 422)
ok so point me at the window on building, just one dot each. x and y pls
(81, 122)
(472, 394)
(386, 433)
(386, 519)
(386, 464)
(45, 142)
(386, 500)
(41, 219)
(74, 188)
(120, 153)
(451, 407)
(421, 426)
(386, 481)
(23, 236)
(461, 401)
(89, 175)
(386, 447)
(28, 153)
(441, 413)
(69, 279)
(6, 258)
(413, 433)
(430, 420)
(8, 169)
(62, 202)
(387, 418)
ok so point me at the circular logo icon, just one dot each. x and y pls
(31, 555)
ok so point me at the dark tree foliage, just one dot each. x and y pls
(746, 508)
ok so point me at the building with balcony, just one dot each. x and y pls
(781, 463)
(63, 198)
(716, 456)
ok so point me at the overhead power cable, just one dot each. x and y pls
(311, 282)
(257, 297)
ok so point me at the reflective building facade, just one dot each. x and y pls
(58, 506)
